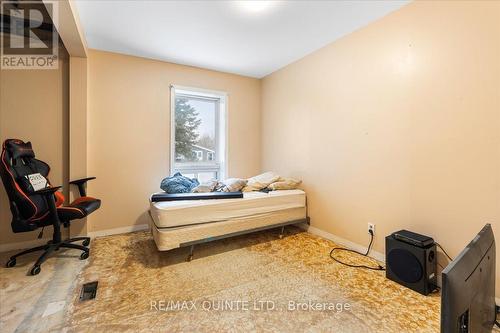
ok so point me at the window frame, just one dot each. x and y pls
(221, 130)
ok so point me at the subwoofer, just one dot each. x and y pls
(411, 261)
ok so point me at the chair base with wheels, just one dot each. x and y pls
(34, 208)
(50, 247)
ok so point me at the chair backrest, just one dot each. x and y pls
(17, 162)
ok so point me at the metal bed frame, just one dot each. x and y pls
(243, 232)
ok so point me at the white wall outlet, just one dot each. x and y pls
(371, 227)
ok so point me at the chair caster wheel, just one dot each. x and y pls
(86, 242)
(84, 255)
(11, 263)
(35, 270)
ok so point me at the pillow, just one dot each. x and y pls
(206, 187)
(178, 184)
(261, 181)
(285, 184)
(231, 185)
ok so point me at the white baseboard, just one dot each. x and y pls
(115, 231)
(23, 245)
(344, 242)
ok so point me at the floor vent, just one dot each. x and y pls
(89, 291)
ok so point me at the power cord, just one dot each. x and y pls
(446, 254)
(379, 268)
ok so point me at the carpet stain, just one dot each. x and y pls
(251, 283)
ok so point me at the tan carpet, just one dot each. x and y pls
(230, 283)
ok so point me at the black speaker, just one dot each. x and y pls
(411, 261)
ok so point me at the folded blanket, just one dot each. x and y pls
(178, 184)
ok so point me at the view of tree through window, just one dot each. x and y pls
(194, 129)
(186, 129)
(196, 149)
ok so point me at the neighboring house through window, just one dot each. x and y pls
(198, 127)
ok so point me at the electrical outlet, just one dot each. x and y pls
(371, 227)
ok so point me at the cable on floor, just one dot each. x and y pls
(379, 268)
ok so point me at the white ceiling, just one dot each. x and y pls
(229, 36)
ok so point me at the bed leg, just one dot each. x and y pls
(282, 232)
(190, 256)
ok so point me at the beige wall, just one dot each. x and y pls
(397, 124)
(129, 130)
(77, 124)
(34, 107)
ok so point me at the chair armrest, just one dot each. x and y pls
(80, 183)
(48, 190)
(48, 194)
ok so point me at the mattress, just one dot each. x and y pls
(171, 214)
(170, 238)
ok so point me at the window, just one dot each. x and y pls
(199, 155)
(198, 127)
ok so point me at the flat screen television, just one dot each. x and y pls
(468, 290)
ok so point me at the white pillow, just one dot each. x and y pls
(205, 187)
(285, 184)
(261, 181)
(231, 185)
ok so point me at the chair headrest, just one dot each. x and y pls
(18, 148)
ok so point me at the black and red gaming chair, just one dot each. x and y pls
(36, 208)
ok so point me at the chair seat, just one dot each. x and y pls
(78, 209)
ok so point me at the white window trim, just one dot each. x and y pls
(223, 121)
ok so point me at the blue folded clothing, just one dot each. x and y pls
(178, 184)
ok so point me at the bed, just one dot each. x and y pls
(189, 222)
